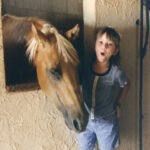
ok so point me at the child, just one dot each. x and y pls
(102, 100)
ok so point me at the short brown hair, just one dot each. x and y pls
(111, 33)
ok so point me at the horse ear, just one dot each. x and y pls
(73, 33)
(33, 29)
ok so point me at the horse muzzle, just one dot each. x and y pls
(77, 124)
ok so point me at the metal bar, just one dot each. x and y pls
(141, 76)
(147, 29)
(143, 49)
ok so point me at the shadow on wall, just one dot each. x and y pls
(89, 41)
(130, 63)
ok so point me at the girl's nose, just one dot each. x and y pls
(105, 45)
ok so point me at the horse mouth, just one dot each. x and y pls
(73, 123)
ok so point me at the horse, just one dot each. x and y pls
(56, 62)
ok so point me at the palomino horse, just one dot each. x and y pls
(56, 62)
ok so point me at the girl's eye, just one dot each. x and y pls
(110, 44)
(100, 42)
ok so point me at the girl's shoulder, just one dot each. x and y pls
(117, 70)
(118, 73)
(116, 67)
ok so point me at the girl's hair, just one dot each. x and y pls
(113, 35)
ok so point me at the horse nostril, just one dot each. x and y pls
(77, 125)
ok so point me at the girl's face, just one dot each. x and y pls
(104, 48)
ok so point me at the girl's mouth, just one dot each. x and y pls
(102, 53)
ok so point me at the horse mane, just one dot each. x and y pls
(65, 48)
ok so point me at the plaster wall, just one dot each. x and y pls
(146, 102)
(121, 15)
(146, 99)
(29, 121)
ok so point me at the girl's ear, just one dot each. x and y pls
(116, 52)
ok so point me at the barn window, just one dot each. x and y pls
(64, 14)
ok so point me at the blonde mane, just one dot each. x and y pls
(65, 48)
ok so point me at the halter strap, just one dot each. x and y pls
(93, 96)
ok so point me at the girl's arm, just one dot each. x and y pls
(121, 96)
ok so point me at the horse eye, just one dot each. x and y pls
(55, 73)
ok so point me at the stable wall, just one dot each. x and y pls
(146, 102)
(146, 99)
(121, 15)
(28, 121)
(58, 12)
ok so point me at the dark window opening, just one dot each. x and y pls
(19, 73)
(18, 70)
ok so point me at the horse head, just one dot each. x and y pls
(56, 63)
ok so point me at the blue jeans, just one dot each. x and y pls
(103, 130)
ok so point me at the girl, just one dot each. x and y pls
(104, 88)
